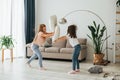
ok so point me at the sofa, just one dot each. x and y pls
(61, 50)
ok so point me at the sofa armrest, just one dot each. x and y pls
(83, 52)
(28, 45)
(83, 46)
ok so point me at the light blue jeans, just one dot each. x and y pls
(36, 53)
(75, 61)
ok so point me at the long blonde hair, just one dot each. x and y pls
(40, 28)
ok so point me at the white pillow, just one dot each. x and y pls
(52, 23)
(56, 34)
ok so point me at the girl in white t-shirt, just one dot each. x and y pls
(71, 36)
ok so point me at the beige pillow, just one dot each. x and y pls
(68, 44)
(60, 44)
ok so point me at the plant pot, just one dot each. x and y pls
(98, 58)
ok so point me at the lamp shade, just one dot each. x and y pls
(62, 21)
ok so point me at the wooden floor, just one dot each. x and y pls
(56, 70)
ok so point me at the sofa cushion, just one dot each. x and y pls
(60, 44)
(66, 50)
(42, 49)
(70, 50)
(52, 50)
(82, 41)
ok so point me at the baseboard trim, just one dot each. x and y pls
(54, 59)
(14, 58)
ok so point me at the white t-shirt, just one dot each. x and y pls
(73, 41)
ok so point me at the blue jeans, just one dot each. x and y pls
(36, 53)
(75, 61)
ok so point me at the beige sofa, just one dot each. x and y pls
(60, 50)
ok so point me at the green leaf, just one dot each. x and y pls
(94, 24)
(89, 36)
(118, 3)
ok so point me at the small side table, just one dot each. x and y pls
(11, 54)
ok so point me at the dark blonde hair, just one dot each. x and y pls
(72, 31)
(41, 27)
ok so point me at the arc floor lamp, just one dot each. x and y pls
(64, 20)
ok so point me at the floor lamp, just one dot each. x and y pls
(64, 20)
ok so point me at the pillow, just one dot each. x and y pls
(68, 44)
(48, 42)
(52, 22)
(95, 69)
(60, 44)
(56, 34)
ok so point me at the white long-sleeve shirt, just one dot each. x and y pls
(73, 41)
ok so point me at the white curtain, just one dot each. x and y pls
(12, 22)
(5, 10)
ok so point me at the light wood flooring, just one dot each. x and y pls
(56, 70)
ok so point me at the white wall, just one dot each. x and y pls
(104, 8)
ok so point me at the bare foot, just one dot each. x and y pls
(72, 72)
(42, 68)
(77, 70)
(28, 65)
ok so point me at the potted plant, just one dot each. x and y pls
(119, 31)
(6, 42)
(118, 3)
(97, 33)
